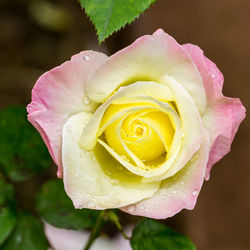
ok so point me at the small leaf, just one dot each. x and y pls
(7, 210)
(56, 208)
(22, 151)
(109, 16)
(28, 235)
(149, 234)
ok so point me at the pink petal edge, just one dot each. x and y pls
(224, 114)
(149, 57)
(178, 192)
(58, 94)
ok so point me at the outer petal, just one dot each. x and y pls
(223, 115)
(178, 192)
(60, 93)
(148, 58)
(64, 239)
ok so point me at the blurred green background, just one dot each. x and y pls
(37, 35)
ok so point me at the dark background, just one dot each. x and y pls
(35, 36)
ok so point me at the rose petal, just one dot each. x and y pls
(191, 124)
(65, 239)
(60, 93)
(148, 58)
(223, 115)
(177, 192)
(93, 179)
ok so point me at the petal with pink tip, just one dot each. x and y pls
(58, 94)
(177, 192)
(223, 115)
(148, 58)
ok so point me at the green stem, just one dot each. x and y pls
(115, 219)
(96, 230)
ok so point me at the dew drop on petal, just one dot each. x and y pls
(92, 203)
(131, 209)
(86, 100)
(175, 191)
(195, 193)
(142, 207)
(115, 193)
(108, 172)
(213, 76)
(163, 196)
(182, 183)
(86, 58)
(114, 182)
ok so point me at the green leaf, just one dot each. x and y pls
(28, 235)
(7, 223)
(56, 208)
(22, 151)
(7, 210)
(6, 193)
(82, 2)
(109, 16)
(149, 234)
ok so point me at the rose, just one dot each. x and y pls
(138, 130)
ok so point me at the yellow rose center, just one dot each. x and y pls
(147, 133)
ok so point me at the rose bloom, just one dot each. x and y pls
(139, 130)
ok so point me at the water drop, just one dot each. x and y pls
(142, 207)
(175, 191)
(124, 158)
(92, 203)
(213, 76)
(182, 183)
(195, 193)
(163, 196)
(86, 58)
(86, 100)
(115, 193)
(114, 182)
(108, 172)
(131, 209)
(146, 209)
